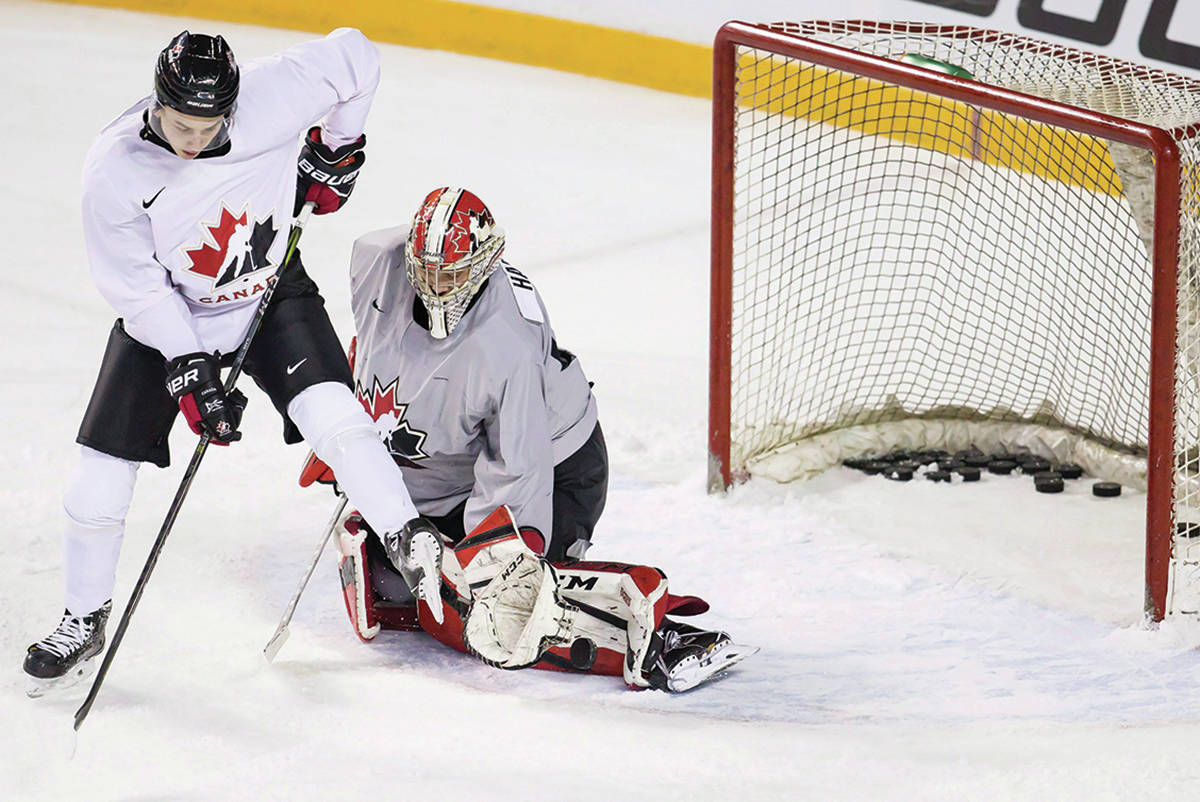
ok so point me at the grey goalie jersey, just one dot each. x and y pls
(482, 415)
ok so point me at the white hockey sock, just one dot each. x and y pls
(343, 436)
(96, 502)
(90, 565)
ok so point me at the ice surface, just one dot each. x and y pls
(984, 644)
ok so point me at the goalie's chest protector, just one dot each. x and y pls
(433, 401)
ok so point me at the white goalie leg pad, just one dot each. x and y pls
(518, 615)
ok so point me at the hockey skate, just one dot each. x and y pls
(416, 552)
(691, 656)
(68, 654)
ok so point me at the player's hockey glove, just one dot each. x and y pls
(194, 381)
(327, 175)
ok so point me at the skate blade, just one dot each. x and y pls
(695, 673)
(36, 687)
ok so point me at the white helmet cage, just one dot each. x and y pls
(454, 245)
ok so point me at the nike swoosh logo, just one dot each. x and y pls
(293, 368)
(146, 204)
(375, 303)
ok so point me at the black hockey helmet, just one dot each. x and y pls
(196, 74)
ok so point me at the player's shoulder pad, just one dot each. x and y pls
(524, 293)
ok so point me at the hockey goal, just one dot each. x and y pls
(907, 257)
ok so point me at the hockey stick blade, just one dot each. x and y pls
(281, 632)
(276, 643)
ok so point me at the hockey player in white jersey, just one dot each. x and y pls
(187, 200)
(491, 421)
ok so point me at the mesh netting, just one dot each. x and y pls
(899, 256)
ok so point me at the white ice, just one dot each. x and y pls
(920, 642)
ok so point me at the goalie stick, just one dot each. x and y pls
(185, 484)
(281, 632)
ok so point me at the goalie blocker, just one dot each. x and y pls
(503, 603)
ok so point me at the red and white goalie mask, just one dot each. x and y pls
(454, 245)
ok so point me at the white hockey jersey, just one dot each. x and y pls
(182, 249)
(482, 415)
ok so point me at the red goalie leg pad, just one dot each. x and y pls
(449, 632)
(356, 584)
(396, 617)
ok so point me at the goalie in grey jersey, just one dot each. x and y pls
(457, 363)
(494, 426)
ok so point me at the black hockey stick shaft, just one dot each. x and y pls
(181, 494)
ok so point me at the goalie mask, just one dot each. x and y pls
(454, 245)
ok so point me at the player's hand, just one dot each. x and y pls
(194, 381)
(327, 175)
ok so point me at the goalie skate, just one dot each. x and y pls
(691, 656)
(67, 655)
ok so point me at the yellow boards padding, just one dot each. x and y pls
(778, 86)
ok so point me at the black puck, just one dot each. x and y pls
(855, 463)
(976, 460)
(906, 465)
(874, 466)
(1106, 489)
(1048, 482)
(1001, 466)
(938, 476)
(1184, 529)
(1070, 470)
(1035, 466)
(969, 473)
(949, 465)
(898, 474)
(583, 654)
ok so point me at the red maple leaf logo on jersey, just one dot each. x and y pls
(402, 440)
(208, 260)
(234, 248)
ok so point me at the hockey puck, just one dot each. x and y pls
(938, 476)
(583, 654)
(874, 467)
(1106, 489)
(1048, 482)
(898, 474)
(1001, 466)
(1034, 466)
(855, 463)
(976, 460)
(969, 473)
(1070, 470)
(1184, 529)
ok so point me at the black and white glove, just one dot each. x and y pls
(194, 381)
(327, 175)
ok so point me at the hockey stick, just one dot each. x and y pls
(180, 494)
(281, 632)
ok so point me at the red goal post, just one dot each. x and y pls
(898, 206)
